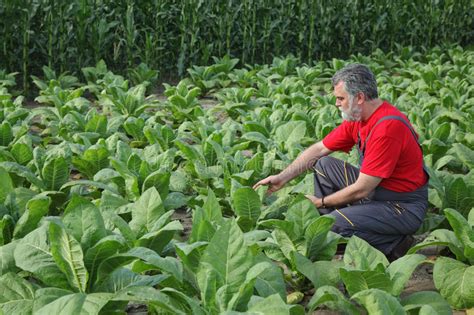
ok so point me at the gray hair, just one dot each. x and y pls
(357, 78)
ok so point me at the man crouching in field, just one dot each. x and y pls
(384, 200)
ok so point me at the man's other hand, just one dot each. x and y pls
(273, 182)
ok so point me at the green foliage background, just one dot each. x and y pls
(172, 35)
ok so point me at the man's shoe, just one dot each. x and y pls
(402, 248)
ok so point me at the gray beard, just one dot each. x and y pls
(350, 116)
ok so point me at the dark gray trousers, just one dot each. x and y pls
(383, 219)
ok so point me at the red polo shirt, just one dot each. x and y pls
(392, 153)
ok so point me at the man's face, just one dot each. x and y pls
(347, 103)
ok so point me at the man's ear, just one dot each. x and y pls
(360, 98)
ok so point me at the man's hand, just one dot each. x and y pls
(274, 183)
(316, 201)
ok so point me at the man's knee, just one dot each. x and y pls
(342, 227)
(323, 162)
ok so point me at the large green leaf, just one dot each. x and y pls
(190, 254)
(212, 209)
(89, 183)
(274, 304)
(32, 254)
(190, 152)
(202, 229)
(22, 153)
(453, 279)
(333, 299)
(103, 249)
(24, 172)
(430, 222)
(131, 181)
(157, 299)
(401, 270)
(441, 237)
(247, 206)
(108, 265)
(290, 133)
(420, 299)
(160, 236)
(18, 199)
(7, 224)
(315, 235)
(284, 242)
(465, 154)
(361, 255)
(93, 160)
(6, 133)
(302, 213)
(6, 185)
(169, 265)
(257, 137)
(287, 226)
(225, 262)
(77, 303)
(442, 132)
(378, 302)
(240, 300)
(116, 222)
(360, 280)
(271, 281)
(146, 211)
(123, 278)
(134, 127)
(189, 304)
(44, 296)
(7, 260)
(160, 180)
(428, 310)
(255, 164)
(84, 221)
(463, 231)
(55, 173)
(456, 194)
(320, 273)
(16, 294)
(67, 253)
(97, 123)
(470, 218)
(133, 164)
(36, 209)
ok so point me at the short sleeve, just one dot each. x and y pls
(381, 156)
(341, 138)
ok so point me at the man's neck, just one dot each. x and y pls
(370, 107)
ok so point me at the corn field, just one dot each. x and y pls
(172, 35)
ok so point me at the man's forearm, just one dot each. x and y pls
(345, 196)
(304, 161)
(363, 186)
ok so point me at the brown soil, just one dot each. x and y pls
(31, 104)
(183, 216)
